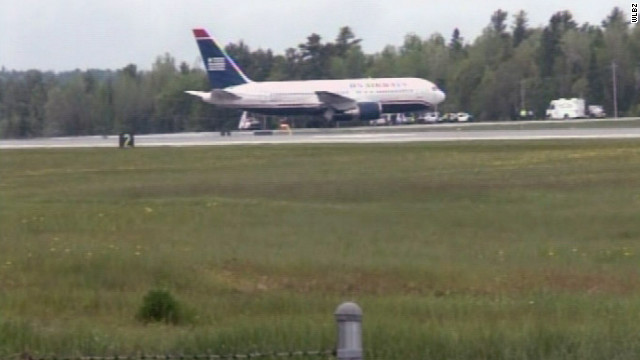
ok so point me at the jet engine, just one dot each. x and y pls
(363, 111)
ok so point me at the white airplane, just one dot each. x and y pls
(365, 99)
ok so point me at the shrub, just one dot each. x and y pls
(160, 306)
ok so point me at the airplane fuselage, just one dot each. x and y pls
(300, 97)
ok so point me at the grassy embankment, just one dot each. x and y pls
(456, 251)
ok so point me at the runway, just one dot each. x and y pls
(616, 129)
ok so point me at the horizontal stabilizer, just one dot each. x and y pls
(216, 94)
(336, 101)
(220, 94)
(204, 95)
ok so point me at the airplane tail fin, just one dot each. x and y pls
(221, 69)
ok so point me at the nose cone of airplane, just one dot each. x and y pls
(439, 96)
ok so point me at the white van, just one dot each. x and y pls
(566, 109)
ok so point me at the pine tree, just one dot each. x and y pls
(594, 80)
(455, 45)
(520, 31)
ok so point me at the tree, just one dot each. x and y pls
(130, 71)
(527, 82)
(615, 18)
(498, 22)
(104, 108)
(262, 64)
(559, 24)
(184, 68)
(548, 46)
(456, 44)
(23, 98)
(384, 63)
(131, 105)
(412, 61)
(2, 90)
(256, 64)
(70, 110)
(463, 83)
(572, 70)
(495, 42)
(240, 53)
(347, 59)
(37, 97)
(345, 41)
(314, 58)
(520, 31)
(285, 67)
(617, 51)
(437, 56)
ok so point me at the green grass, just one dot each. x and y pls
(503, 250)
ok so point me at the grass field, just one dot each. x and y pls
(503, 250)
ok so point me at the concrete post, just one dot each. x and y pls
(349, 318)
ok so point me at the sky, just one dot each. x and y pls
(62, 35)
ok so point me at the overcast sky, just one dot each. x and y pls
(109, 34)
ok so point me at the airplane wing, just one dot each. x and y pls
(336, 101)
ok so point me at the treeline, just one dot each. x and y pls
(509, 66)
(34, 103)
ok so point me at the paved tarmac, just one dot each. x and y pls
(588, 129)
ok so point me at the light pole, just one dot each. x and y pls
(615, 90)
(522, 95)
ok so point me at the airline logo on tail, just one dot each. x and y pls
(221, 69)
(216, 64)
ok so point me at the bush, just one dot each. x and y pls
(160, 306)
